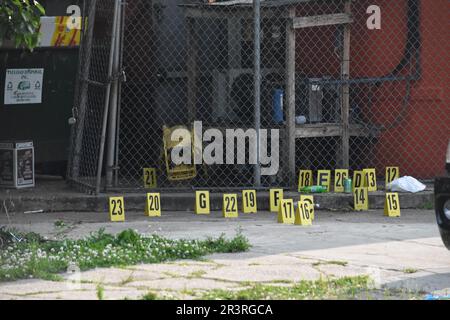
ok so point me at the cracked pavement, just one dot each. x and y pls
(400, 254)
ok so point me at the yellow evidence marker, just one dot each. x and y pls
(370, 179)
(249, 201)
(361, 198)
(310, 200)
(230, 206)
(305, 179)
(303, 214)
(286, 213)
(116, 209)
(202, 203)
(150, 181)
(153, 205)
(276, 195)
(392, 173)
(392, 205)
(324, 179)
(339, 176)
(358, 180)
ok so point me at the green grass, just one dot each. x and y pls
(344, 288)
(35, 257)
(410, 270)
(332, 262)
(100, 292)
(150, 296)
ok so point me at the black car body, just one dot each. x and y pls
(442, 203)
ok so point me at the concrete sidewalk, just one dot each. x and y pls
(399, 254)
(57, 196)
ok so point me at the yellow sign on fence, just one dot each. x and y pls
(310, 200)
(116, 209)
(276, 195)
(370, 179)
(202, 203)
(361, 198)
(305, 179)
(303, 214)
(230, 206)
(392, 205)
(286, 213)
(339, 176)
(153, 206)
(249, 201)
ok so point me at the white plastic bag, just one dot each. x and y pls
(406, 184)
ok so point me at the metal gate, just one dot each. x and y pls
(345, 84)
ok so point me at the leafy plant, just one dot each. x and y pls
(34, 257)
(20, 21)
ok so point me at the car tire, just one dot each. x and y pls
(445, 235)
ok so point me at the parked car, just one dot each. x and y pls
(442, 202)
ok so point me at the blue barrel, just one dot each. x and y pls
(277, 106)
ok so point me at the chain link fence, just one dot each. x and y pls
(348, 84)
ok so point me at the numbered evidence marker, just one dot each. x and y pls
(392, 173)
(310, 200)
(303, 214)
(339, 176)
(358, 180)
(249, 201)
(370, 179)
(230, 206)
(361, 199)
(202, 203)
(150, 181)
(392, 205)
(305, 179)
(286, 212)
(324, 178)
(153, 206)
(116, 209)
(276, 195)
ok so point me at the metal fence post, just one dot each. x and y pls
(107, 99)
(257, 77)
(112, 126)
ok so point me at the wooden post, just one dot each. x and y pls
(345, 75)
(290, 96)
(192, 49)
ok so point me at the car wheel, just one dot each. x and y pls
(445, 235)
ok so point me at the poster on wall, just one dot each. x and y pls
(23, 86)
